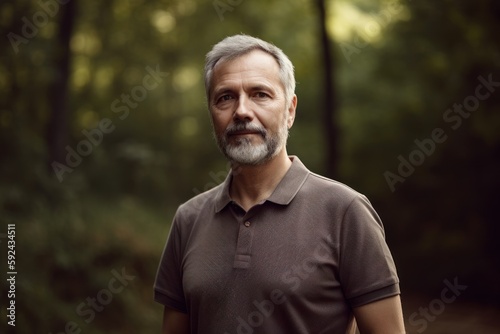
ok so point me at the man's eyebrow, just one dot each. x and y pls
(262, 87)
(221, 90)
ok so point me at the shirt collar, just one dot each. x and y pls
(284, 193)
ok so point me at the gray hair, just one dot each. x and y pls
(238, 45)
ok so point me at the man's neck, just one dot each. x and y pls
(253, 184)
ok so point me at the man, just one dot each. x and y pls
(275, 248)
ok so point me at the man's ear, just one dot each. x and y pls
(291, 111)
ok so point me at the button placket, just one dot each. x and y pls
(243, 254)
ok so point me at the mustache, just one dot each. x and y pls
(240, 127)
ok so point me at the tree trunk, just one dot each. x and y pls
(329, 115)
(57, 130)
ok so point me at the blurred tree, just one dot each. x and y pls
(57, 130)
(329, 114)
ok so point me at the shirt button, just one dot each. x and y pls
(247, 224)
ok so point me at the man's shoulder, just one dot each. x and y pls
(201, 201)
(318, 187)
(322, 186)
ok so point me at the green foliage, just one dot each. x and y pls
(69, 254)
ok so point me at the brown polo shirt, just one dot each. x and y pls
(296, 263)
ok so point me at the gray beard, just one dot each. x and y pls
(243, 152)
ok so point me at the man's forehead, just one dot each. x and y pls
(254, 68)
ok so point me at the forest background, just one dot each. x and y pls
(104, 131)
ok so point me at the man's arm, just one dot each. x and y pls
(175, 322)
(384, 316)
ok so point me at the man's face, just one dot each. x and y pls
(248, 108)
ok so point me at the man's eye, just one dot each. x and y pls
(224, 98)
(261, 95)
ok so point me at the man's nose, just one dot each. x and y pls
(243, 110)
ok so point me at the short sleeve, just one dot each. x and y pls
(366, 267)
(168, 289)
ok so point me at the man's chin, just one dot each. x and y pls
(257, 155)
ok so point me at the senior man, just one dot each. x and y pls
(275, 248)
